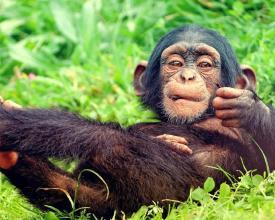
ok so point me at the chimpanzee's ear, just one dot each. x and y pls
(247, 80)
(138, 74)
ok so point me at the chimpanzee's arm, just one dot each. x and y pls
(42, 183)
(176, 143)
(242, 108)
(55, 133)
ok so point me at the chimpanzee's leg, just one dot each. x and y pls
(44, 184)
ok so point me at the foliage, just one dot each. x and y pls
(252, 197)
(79, 55)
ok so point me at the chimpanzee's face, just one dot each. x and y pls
(190, 75)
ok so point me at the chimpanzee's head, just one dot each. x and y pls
(185, 69)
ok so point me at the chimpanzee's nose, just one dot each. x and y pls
(188, 74)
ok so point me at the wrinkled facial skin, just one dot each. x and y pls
(190, 76)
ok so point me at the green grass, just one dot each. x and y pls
(83, 53)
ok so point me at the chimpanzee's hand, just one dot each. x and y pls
(8, 104)
(238, 107)
(177, 143)
(8, 159)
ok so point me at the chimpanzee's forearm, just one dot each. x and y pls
(261, 126)
(55, 133)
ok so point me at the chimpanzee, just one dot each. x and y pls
(206, 104)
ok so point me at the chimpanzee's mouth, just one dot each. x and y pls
(175, 97)
(185, 97)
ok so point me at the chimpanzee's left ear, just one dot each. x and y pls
(247, 80)
(138, 74)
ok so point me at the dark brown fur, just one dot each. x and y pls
(137, 168)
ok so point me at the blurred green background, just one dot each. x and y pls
(80, 55)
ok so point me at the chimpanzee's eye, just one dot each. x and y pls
(176, 63)
(205, 65)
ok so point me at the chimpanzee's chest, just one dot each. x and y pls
(206, 139)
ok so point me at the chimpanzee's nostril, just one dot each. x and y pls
(186, 76)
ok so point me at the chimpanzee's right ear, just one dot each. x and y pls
(246, 80)
(138, 74)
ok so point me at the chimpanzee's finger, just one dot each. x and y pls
(220, 103)
(229, 93)
(10, 104)
(228, 113)
(172, 138)
(181, 148)
(177, 143)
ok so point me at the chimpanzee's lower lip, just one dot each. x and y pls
(175, 97)
(187, 98)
